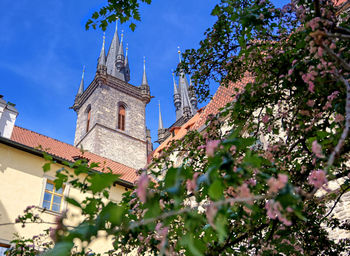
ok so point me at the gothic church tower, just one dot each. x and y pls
(111, 112)
(185, 102)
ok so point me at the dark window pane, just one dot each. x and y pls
(47, 196)
(49, 186)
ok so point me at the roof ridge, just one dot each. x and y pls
(71, 146)
(44, 135)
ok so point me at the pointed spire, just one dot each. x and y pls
(81, 87)
(126, 64)
(102, 58)
(144, 77)
(175, 85)
(126, 54)
(160, 122)
(179, 52)
(112, 52)
(121, 50)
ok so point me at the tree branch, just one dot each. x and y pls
(347, 124)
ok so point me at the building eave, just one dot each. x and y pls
(60, 160)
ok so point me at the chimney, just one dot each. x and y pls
(8, 115)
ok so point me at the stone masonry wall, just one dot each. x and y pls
(127, 147)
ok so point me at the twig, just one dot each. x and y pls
(189, 209)
(335, 203)
(338, 35)
(342, 62)
(345, 132)
(43, 222)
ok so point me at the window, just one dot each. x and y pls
(121, 118)
(88, 119)
(3, 248)
(53, 198)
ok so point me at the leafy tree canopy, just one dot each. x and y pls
(255, 181)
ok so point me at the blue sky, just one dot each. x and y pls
(44, 45)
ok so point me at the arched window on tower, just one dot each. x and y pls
(88, 119)
(121, 118)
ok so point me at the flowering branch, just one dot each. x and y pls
(189, 209)
(347, 123)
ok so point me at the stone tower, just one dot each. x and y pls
(185, 102)
(111, 112)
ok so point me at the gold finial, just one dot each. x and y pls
(144, 59)
(127, 46)
(179, 52)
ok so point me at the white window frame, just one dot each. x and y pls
(65, 194)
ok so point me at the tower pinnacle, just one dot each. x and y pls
(101, 65)
(81, 87)
(179, 52)
(160, 121)
(144, 77)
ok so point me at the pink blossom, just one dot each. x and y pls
(191, 185)
(320, 51)
(276, 184)
(317, 149)
(142, 185)
(274, 211)
(310, 103)
(311, 87)
(265, 118)
(339, 118)
(211, 147)
(314, 23)
(211, 213)
(317, 178)
(333, 96)
(261, 16)
(201, 147)
(294, 62)
(332, 46)
(244, 191)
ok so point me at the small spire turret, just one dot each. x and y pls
(145, 90)
(161, 130)
(126, 64)
(160, 121)
(81, 86)
(177, 97)
(101, 65)
(80, 91)
(144, 76)
(193, 96)
(120, 56)
(179, 52)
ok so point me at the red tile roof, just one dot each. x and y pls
(67, 152)
(222, 96)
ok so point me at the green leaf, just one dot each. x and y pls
(216, 190)
(101, 181)
(47, 167)
(61, 249)
(220, 224)
(72, 201)
(132, 26)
